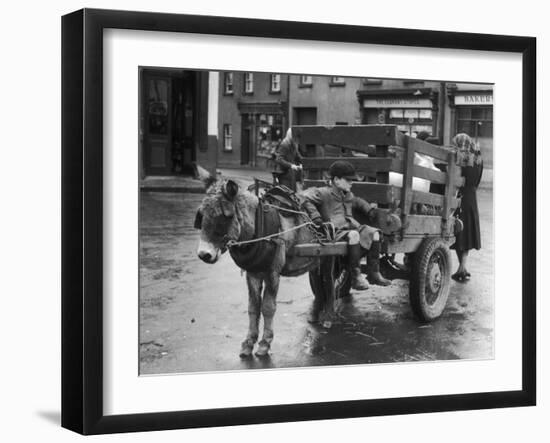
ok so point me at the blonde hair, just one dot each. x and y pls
(288, 135)
(467, 148)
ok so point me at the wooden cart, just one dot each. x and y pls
(376, 151)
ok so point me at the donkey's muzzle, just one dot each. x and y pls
(207, 257)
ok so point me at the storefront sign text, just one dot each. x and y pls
(474, 99)
(390, 102)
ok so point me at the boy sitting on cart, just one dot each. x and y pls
(335, 204)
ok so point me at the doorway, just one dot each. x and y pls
(167, 121)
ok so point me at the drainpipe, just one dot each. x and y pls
(288, 102)
(441, 113)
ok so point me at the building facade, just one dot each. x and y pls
(257, 108)
(177, 121)
(323, 100)
(253, 117)
(470, 109)
(414, 106)
(442, 109)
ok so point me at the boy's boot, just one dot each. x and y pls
(373, 266)
(358, 280)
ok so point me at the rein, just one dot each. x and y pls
(233, 243)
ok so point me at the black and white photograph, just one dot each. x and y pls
(291, 220)
(275, 222)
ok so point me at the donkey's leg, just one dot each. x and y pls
(269, 305)
(254, 284)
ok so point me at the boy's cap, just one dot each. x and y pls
(342, 169)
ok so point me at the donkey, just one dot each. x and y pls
(227, 215)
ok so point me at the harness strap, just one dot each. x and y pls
(232, 243)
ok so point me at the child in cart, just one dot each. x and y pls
(336, 204)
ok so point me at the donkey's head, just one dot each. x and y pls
(217, 219)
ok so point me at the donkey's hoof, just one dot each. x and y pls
(263, 349)
(327, 324)
(246, 349)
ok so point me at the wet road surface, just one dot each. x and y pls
(193, 316)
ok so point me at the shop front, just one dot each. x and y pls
(262, 129)
(473, 115)
(413, 111)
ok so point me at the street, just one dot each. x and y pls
(193, 316)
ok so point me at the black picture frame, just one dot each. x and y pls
(82, 218)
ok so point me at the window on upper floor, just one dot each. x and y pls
(275, 84)
(227, 138)
(306, 81)
(228, 83)
(337, 81)
(248, 83)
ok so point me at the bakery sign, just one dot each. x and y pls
(391, 102)
(479, 99)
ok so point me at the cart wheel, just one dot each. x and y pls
(430, 279)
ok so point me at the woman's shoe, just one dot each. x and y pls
(460, 277)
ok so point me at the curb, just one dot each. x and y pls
(174, 189)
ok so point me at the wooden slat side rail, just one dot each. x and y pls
(430, 174)
(318, 250)
(357, 135)
(423, 147)
(368, 149)
(423, 225)
(408, 174)
(372, 192)
(361, 164)
(382, 176)
(428, 198)
(374, 165)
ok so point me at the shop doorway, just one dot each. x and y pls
(246, 140)
(168, 125)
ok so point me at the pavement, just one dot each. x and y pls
(193, 315)
(194, 185)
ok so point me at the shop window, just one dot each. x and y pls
(227, 138)
(337, 81)
(228, 83)
(475, 121)
(425, 113)
(410, 113)
(275, 83)
(306, 81)
(269, 135)
(248, 83)
(396, 113)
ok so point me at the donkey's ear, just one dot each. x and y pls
(198, 220)
(205, 176)
(230, 189)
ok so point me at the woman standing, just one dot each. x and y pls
(470, 237)
(288, 161)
